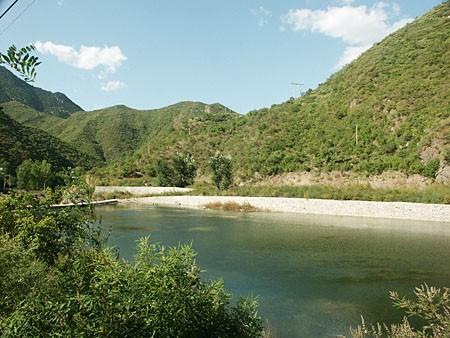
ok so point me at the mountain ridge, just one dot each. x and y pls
(14, 89)
(387, 110)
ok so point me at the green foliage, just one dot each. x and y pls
(376, 114)
(19, 143)
(431, 306)
(20, 92)
(56, 281)
(164, 173)
(431, 168)
(179, 172)
(185, 168)
(222, 168)
(48, 232)
(21, 60)
(435, 193)
(34, 175)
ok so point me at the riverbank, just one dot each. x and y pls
(391, 210)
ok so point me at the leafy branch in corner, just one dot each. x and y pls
(22, 61)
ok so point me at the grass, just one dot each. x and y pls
(112, 195)
(232, 206)
(435, 193)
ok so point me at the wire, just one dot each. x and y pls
(7, 10)
(17, 17)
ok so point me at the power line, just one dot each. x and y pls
(17, 17)
(7, 10)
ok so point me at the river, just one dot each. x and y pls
(314, 276)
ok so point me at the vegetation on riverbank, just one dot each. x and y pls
(431, 306)
(60, 279)
(436, 193)
(232, 206)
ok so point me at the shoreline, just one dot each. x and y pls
(366, 209)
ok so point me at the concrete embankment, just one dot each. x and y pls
(391, 210)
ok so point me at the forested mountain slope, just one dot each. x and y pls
(18, 143)
(14, 89)
(389, 109)
(114, 133)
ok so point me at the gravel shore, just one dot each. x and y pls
(392, 210)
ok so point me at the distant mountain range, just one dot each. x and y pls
(387, 110)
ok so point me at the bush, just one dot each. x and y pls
(431, 168)
(34, 175)
(222, 168)
(179, 172)
(56, 281)
(160, 294)
(48, 232)
(164, 173)
(431, 306)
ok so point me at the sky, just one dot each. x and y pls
(244, 54)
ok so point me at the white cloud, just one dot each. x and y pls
(87, 57)
(262, 14)
(358, 26)
(350, 54)
(113, 85)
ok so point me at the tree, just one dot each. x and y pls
(179, 171)
(5, 168)
(222, 167)
(22, 61)
(34, 175)
(185, 169)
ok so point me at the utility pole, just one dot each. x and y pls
(299, 85)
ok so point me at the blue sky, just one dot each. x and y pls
(242, 53)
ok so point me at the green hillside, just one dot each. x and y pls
(389, 109)
(14, 89)
(114, 133)
(18, 143)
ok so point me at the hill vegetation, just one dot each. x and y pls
(387, 110)
(14, 89)
(114, 133)
(19, 143)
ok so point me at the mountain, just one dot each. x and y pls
(387, 110)
(18, 143)
(114, 133)
(14, 89)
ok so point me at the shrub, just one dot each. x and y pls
(431, 306)
(34, 175)
(56, 281)
(431, 168)
(222, 168)
(164, 173)
(179, 172)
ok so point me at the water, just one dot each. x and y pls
(313, 279)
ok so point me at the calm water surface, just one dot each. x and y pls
(314, 277)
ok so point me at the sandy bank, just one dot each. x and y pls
(393, 210)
